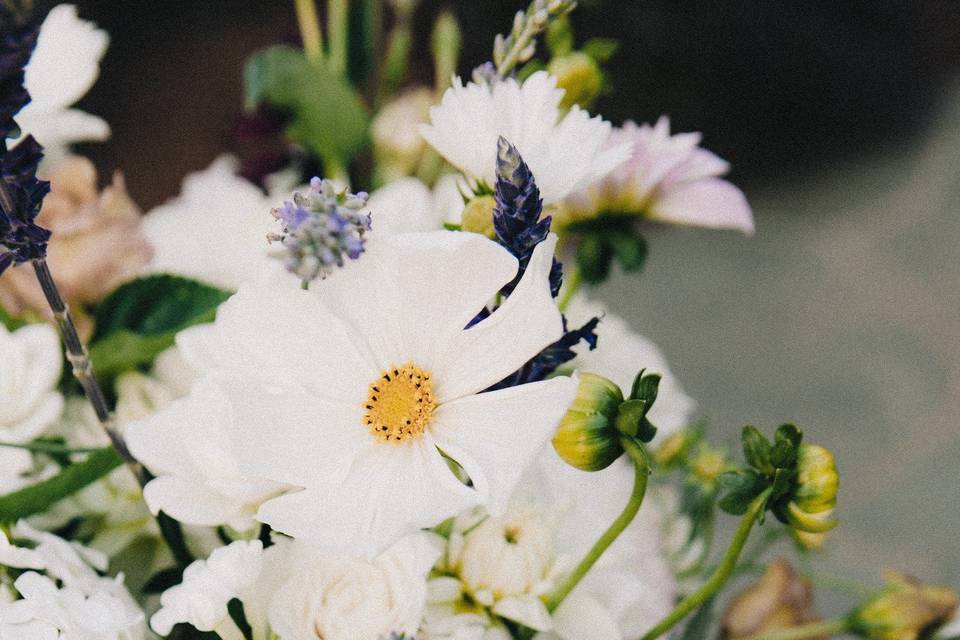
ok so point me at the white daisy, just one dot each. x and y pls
(63, 67)
(407, 205)
(565, 152)
(351, 395)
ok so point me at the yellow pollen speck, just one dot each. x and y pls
(399, 404)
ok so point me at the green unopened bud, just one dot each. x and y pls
(579, 76)
(905, 610)
(478, 216)
(815, 496)
(587, 438)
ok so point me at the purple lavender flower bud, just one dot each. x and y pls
(322, 228)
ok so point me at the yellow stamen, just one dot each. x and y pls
(399, 404)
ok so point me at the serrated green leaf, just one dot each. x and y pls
(601, 49)
(327, 115)
(741, 486)
(38, 497)
(756, 449)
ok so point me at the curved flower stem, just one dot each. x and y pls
(81, 365)
(641, 472)
(573, 283)
(826, 628)
(723, 572)
(309, 30)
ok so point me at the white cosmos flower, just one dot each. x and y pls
(668, 178)
(621, 353)
(565, 152)
(32, 364)
(349, 396)
(228, 219)
(63, 67)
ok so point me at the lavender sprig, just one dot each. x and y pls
(322, 228)
(520, 44)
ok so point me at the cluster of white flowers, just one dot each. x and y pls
(345, 458)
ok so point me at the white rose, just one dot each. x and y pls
(331, 597)
(32, 363)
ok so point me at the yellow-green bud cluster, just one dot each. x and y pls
(815, 497)
(590, 435)
(579, 76)
(906, 609)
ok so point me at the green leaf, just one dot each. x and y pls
(742, 486)
(756, 449)
(163, 580)
(156, 305)
(327, 115)
(782, 483)
(126, 351)
(38, 497)
(600, 49)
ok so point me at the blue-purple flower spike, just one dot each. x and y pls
(21, 193)
(322, 228)
(519, 228)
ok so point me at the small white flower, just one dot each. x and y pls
(349, 395)
(565, 152)
(63, 67)
(330, 597)
(216, 230)
(668, 178)
(31, 367)
(619, 356)
(407, 205)
(208, 586)
(80, 605)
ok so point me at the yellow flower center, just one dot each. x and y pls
(399, 404)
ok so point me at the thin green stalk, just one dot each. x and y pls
(720, 576)
(573, 282)
(641, 474)
(309, 25)
(826, 628)
(338, 33)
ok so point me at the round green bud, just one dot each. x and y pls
(906, 609)
(478, 216)
(579, 76)
(586, 437)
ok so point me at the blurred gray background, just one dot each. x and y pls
(842, 121)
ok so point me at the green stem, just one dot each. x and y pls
(813, 630)
(720, 576)
(309, 30)
(641, 473)
(573, 281)
(338, 33)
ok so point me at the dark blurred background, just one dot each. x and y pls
(842, 122)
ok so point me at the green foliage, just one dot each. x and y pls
(559, 37)
(141, 318)
(8, 321)
(601, 49)
(770, 465)
(327, 115)
(39, 497)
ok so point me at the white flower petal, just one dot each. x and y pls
(710, 202)
(581, 617)
(527, 610)
(404, 487)
(494, 435)
(486, 353)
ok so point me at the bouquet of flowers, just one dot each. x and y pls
(292, 410)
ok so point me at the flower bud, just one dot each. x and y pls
(587, 438)
(905, 610)
(708, 463)
(674, 448)
(478, 216)
(779, 600)
(579, 76)
(812, 505)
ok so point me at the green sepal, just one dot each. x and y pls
(629, 415)
(601, 49)
(645, 387)
(594, 255)
(783, 480)
(741, 487)
(630, 250)
(39, 497)
(786, 446)
(757, 450)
